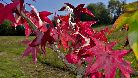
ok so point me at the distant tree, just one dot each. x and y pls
(116, 8)
(7, 30)
(102, 14)
(20, 30)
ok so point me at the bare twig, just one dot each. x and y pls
(78, 70)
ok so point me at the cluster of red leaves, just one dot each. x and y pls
(84, 44)
(89, 44)
(7, 12)
(15, 11)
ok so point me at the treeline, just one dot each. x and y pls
(104, 15)
(7, 30)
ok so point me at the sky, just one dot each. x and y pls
(54, 5)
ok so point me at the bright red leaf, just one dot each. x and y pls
(109, 60)
(72, 58)
(7, 12)
(43, 15)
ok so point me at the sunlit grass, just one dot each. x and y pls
(12, 65)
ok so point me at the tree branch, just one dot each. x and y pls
(79, 71)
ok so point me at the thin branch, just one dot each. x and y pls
(78, 70)
(71, 67)
(31, 24)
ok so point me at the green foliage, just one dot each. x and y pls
(131, 7)
(130, 19)
(115, 8)
(6, 29)
(100, 11)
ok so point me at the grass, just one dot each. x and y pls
(12, 65)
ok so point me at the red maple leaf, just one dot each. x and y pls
(72, 58)
(32, 50)
(41, 39)
(108, 60)
(85, 28)
(43, 15)
(96, 75)
(33, 46)
(63, 24)
(7, 12)
(77, 10)
(50, 36)
(65, 31)
(101, 35)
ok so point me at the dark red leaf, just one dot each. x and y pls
(77, 11)
(88, 12)
(7, 12)
(71, 6)
(32, 50)
(80, 6)
(1, 5)
(50, 36)
(38, 39)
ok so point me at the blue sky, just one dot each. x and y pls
(54, 5)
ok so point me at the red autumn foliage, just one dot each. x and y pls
(85, 46)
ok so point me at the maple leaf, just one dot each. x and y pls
(33, 46)
(38, 39)
(7, 12)
(77, 10)
(65, 31)
(72, 58)
(50, 36)
(1, 5)
(32, 50)
(43, 15)
(101, 35)
(63, 23)
(109, 60)
(96, 75)
(40, 19)
(41, 39)
(85, 28)
(21, 3)
(65, 39)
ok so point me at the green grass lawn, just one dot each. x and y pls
(12, 65)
